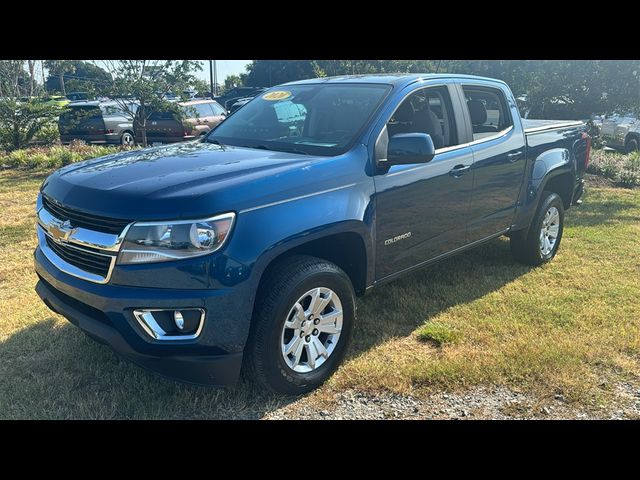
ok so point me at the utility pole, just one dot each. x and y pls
(215, 77)
(211, 77)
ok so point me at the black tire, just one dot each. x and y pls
(127, 139)
(632, 145)
(526, 249)
(285, 284)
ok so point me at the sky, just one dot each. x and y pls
(224, 67)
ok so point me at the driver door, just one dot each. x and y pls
(422, 209)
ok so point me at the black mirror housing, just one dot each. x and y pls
(408, 148)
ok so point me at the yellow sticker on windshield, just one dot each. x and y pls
(277, 95)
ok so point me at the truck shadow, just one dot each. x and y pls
(52, 370)
(398, 308)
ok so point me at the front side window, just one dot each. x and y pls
(428, 110)
(488, 111)
(318, 119)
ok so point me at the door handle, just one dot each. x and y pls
(513, 156)
(459, 170)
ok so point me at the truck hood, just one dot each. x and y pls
(186, 180)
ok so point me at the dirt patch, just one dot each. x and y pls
(478, 403)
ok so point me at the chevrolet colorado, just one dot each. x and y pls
(246, 249)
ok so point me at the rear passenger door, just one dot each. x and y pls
(498, 158)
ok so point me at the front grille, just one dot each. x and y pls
(83, 259)
(84, 220)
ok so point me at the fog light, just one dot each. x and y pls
(178, 320)
(170, 324)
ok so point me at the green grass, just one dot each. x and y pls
(438, 333)
(570, 327)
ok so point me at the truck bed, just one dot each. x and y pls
(533, 126)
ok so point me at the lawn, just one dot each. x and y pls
(571, 327)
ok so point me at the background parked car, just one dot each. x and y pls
(58, 100)
(236, 93)
(193, 119)
(239, 103)
(77, 96)
(622, 132)
(96, 122)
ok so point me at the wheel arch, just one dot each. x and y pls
(347, 249)
(632, 136)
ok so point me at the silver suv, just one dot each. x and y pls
(97, 122)
(621, 132)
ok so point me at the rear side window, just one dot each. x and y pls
(80, 114)
(163, 116)
(112, 110)
(488, 111)
(198, 110)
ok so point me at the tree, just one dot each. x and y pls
(201, 88)
(79, 76)
(262, 73)
(266, 73)
(230, 82)
(148, 83)
(59, 68)
(550, 88)
(20, 118)
(563, 89)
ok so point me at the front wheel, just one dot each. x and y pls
(302, 325)
(543, 238)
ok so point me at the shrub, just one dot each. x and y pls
(55, 156)
(47, 135)
(21, 121)
(623, 169)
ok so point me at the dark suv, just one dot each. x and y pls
(97, 122)
(236, 93)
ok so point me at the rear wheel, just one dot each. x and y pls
(542, 241)
(632, 145)
(301, 327)
(127, 139)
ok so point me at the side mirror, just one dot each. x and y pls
(407, 148)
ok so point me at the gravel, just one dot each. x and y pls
(476, 403)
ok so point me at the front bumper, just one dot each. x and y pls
(105, 313)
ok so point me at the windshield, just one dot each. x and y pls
(319, 119)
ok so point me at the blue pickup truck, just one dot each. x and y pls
(245, 250)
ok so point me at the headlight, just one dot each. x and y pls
(147, 242)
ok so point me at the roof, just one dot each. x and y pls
(197, 101)
(97, 103)
(396, 79)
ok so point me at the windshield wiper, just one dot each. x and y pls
(279, 149)
(215, 142)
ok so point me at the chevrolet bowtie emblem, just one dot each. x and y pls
(61, 231)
